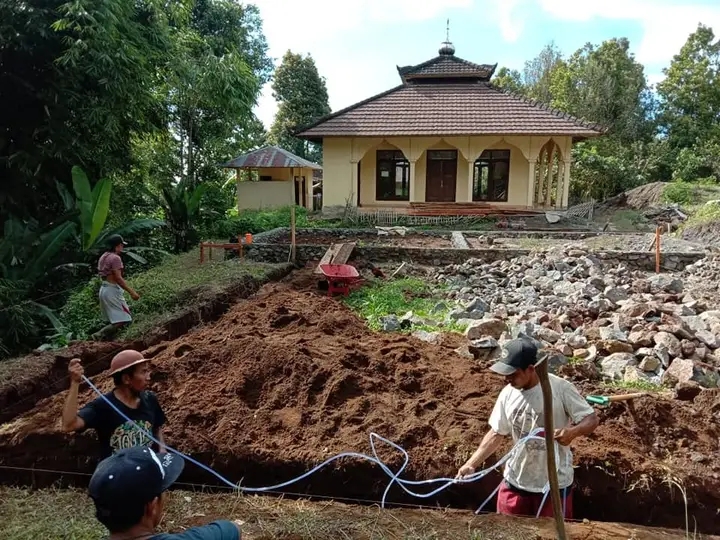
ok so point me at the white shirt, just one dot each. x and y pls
(518, 412)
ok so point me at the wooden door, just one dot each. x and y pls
(441, 176)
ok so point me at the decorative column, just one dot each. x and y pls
(550, 167)
(471, 178)
(354, 188)
(412, 181)
(531, 183)
(566, 184)
(559, 191)
(542, 171)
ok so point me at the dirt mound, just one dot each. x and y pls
(289, 378)
(707, 234)
(639, 198)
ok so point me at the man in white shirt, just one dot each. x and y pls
(517, 412)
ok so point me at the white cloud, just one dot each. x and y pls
(510, 20)
(317, 26)
(666, 23)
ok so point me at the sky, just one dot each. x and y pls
(358, 44)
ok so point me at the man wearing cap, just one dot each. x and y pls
(114, 308)
(129, 490)
(131, 374)
(517, 412)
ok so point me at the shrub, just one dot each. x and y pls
(679, 192)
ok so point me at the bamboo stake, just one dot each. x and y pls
(657, 249)
(542, 371)
(292, 233)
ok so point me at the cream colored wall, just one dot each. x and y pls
(259, 195)
(276, 193)
(339, 179)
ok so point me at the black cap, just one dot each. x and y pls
(517, 354)
(133, 475)
(115, 240)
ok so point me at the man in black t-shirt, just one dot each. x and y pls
(131, 374)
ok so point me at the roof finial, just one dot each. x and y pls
(447, 48)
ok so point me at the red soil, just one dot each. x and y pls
(289, 378)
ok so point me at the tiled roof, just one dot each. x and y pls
(270, 157)
(446, 109)
(447, 66)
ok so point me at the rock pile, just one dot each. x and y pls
(623, 324)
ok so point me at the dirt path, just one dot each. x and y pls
(289, 378)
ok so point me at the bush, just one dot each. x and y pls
(257, 221)
(179, 281)
(679, 192)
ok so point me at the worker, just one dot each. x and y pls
(517, 412)
(129, 490)
(131, 374)
(113, 305)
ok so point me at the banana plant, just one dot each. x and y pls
(181, 205)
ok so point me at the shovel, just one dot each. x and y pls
(606, 400)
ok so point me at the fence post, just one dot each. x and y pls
(202, 252)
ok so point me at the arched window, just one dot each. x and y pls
(492, 176)
(392, 181)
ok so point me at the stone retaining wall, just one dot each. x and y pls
(371, 233)
(277, 253)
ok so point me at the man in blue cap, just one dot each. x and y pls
(129, 490)
(518, 412)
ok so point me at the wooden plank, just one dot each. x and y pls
(328, 257)
(343, 253)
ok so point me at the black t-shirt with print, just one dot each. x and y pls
(114, 432)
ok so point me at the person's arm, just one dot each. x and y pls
(70, 419)
(583, 416)
(499, 428)
(117, 276)
(491, 441)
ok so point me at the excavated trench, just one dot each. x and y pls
(601, 493)
(42, 375)
(326, 381)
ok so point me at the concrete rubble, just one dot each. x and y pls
(630, 325)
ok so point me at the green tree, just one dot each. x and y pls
(690, 92)
(302, 98)
(538, 73)
(509, 80)
(606, 85)
(77, 79)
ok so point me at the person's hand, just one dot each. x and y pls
(565, 435)
(134, 295)
(76, 371)
(465, 470)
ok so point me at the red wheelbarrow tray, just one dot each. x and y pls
(339, 271)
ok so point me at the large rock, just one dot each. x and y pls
(650, 364)
(576, 341)
(708, 338)
(661, 352)
(613, 367)
(611, 346)
(641, 338)
(670, 342)
(633, 375)
(663, 283)
(486, 327)
(546, 334)
(683, 370)
(390, 323)
(610, 333)
(615, 294)
(430, 337)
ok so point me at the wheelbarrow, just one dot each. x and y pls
(340, 278)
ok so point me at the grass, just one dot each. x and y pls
(644, 386)
(68, 515)
(397, 297)
(179, 281)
